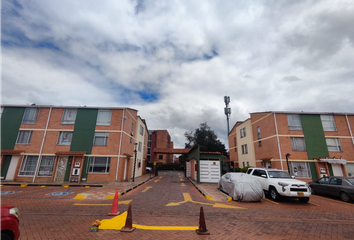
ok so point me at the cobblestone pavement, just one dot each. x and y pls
(170, 199)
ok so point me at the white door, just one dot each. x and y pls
(337, 169)
(12, 168)
(188, 169)
(209, 171)
(61, 169)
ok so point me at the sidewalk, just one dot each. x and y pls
(211, 192)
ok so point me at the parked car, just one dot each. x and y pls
(279, 184)
(342, 187)
(9, 223)
(241, 187)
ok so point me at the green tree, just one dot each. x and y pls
(206, 139)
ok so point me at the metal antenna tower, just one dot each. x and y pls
(227, 112)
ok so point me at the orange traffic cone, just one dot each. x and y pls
(128, 222)
(114, 209)
(202, 226)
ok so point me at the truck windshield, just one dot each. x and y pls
(278, 174)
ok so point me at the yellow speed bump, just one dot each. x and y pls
(23, 185)
(118, 222)
(65, 186)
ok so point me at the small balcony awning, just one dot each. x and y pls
(11, 152)
(70, 153)
(334, 160)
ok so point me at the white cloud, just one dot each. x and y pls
(271, 55)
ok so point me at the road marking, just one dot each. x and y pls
(59, 193)
(9, 192)
(335, 200)
(118, 222)
(183, 185)
(271, 201)
(187, 198)
(147, 188)
(157, 180)
(126, 202)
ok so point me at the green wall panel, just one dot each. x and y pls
(10, 123)
(68, 168)
(313, 171)
(314, 136)
(5, 166)
(194, 153)
(84, 130)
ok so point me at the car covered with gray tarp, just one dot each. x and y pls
(241, 187)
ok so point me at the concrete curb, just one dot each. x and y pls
(201, 191)
(131, 188)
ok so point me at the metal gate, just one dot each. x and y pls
(188, 169)
(209, 171)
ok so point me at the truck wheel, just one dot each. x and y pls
(304, 199)
(345, 197)
(274, 195)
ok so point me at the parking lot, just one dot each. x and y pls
(171, 200)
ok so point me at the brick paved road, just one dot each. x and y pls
(56, 217)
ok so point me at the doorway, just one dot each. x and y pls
(61, 169)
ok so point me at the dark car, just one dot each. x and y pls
(342, 187)
(9, 223)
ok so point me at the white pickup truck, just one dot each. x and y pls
(279, 183)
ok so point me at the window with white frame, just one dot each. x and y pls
(328, 123)
(104, 117)
(300, 169)
(333, 145)
(241, 132)
(65, 138)
(132, 130)
(140, 146)
(99, 164)
(46, 166)
(244, 132)
(69, 116)
(24, 137)
(100, 139)
(259, 132)
(28, 166)
(141, 130)
(30, 116)
(294, 122)
(244, 149)
(298, 143)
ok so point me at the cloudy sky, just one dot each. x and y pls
(174, 61)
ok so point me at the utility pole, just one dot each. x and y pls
(227, 112)
(135, 152)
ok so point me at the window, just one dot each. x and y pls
(24, 137)
(99, 164)
(46, 166)
(28, 166)
(69, 116)
(241, 133)
(141, 130)
(333, 145)
(324, 180)
(335, 181)
(30, 116)
(294, 122)
(248, 164)
(235, 141)
(100, 139)
(140, 146)
(298, 143)
(300, 169)
(259, 132)
(244, 149)
(104, 117)
(243, 164)
(328, 123)
(132, 129)
(259, 143)
(259, 172)
(65, 138)
(160, 156)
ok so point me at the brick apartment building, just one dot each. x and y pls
(160, 139)
(71, 144)
(315, 144)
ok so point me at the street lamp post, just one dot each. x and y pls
(135, 152)
(287, 161)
